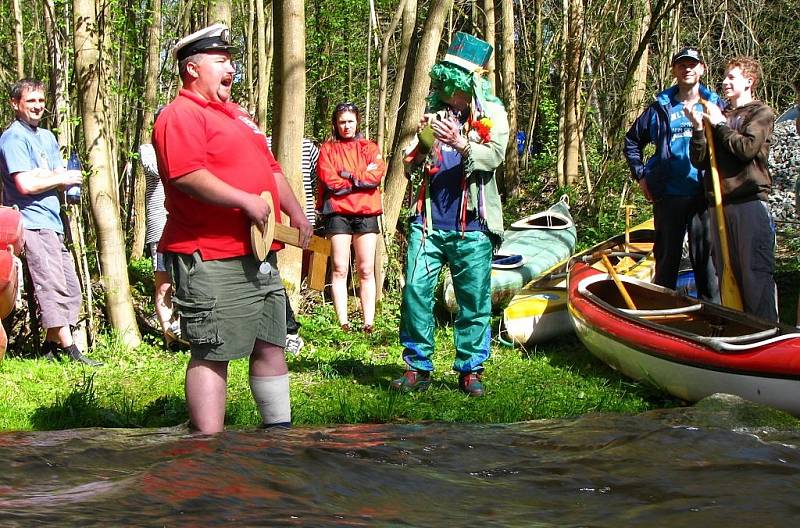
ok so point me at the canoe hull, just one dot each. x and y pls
(9, 278)
(9, 282)
(536, 316)
(690, 367)
(11, 229)
(684, 381)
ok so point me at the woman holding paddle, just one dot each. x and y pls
(738, 154)
(350, 171)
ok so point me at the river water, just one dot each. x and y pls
(703, 466)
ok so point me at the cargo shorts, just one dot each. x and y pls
(226, 304)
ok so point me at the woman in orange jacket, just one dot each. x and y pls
(350, 170)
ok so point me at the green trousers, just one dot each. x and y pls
(470, 261)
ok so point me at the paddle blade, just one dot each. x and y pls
(729, 291)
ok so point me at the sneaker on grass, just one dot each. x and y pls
(294, 344)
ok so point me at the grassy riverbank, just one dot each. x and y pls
(338, 378)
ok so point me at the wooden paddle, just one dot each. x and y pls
(728, 285)
(628, 208)
(320, 247)
(261, 238)
(621, 287)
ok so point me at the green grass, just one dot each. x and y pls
(338, 378)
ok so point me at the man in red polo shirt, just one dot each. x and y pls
(215, 163)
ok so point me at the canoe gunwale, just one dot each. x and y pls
(562, 221)
(730, 344)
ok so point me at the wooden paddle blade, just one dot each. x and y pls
(261, 240)
(730, 294)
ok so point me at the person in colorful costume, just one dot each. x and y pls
(742, 137)
(350, 171)
(458, 218)
(215, 164)
(668, 179)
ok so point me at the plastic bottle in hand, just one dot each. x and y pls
(74, 191)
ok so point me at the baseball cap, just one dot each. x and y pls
(688, 53)
(216, 37)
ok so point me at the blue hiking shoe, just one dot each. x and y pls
(412, 380)
(471, 384)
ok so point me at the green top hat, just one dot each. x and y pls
(468, 52)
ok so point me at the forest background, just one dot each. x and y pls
(573, 75)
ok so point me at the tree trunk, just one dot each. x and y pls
(59, 72)
(263, 27)
(573, 40)
(248, 63)
(19, 54)
(508, 64)
(489, 36)
(153, 67)
(219, 11)
(58, 75)
(395, 114)
(635, 95)
(287, 137)
(382, 85)
(418, 87)
(102, 194)
(537, 76)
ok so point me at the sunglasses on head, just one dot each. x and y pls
(343, 107)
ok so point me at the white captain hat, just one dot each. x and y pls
(216, 37)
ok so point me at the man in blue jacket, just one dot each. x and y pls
(669, 180)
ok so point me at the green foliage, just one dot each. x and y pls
(547, 129)
(140, 273)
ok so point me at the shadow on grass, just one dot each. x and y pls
(569, 353)
(81, 408)
(364, 373)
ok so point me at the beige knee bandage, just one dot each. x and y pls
(271, 394)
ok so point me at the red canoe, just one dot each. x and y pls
(8, 291)
(11, 229)
(688, 348)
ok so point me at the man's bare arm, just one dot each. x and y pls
(204, 186)
(37, 181)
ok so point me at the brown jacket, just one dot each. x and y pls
(742, 152)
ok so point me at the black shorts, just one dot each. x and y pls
(336, 224)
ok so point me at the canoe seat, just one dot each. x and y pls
(668, 311)
(507, 261)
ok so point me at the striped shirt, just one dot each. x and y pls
(156, 213)
(308, 166)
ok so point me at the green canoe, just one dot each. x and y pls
(530, 247)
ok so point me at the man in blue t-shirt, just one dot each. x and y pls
(669, 180)
(33, 174)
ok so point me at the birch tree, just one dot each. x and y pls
(287, 137)
(102, 192)
(422, 60)
(509, 83)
